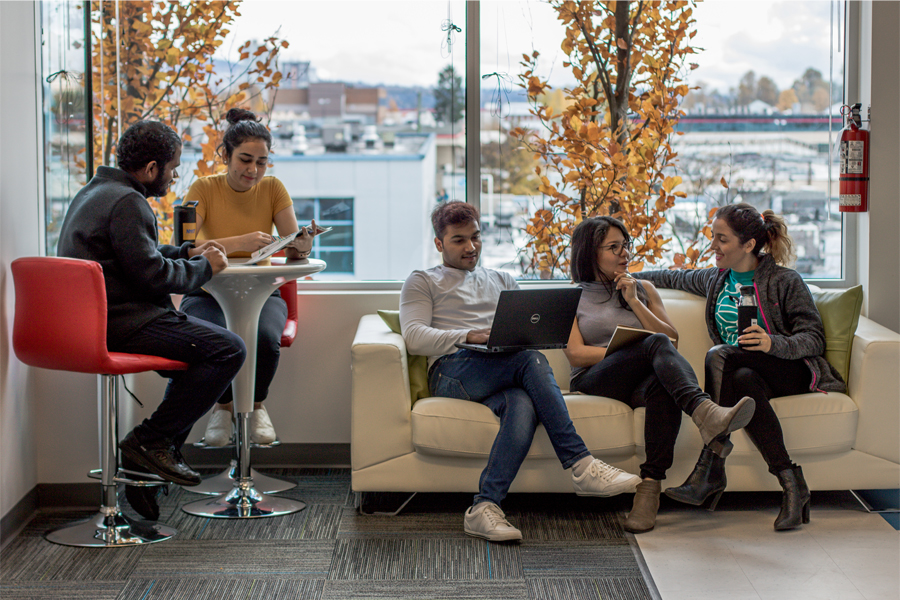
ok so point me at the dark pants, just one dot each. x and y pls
(732, 373)
(268, 343)
(520, 389)
(649, 373)
(214, 354)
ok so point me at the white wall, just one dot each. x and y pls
(879, 229)
(19, 236)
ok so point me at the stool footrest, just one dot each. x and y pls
(146, 479)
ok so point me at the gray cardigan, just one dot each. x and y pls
(789, 314)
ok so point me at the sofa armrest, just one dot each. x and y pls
(874, 385)
(380, 406)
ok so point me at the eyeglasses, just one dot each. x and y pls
(617, 247)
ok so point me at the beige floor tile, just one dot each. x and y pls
(843, 554)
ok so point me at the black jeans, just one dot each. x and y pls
(649, 373)
(214, 354)
(732, 373)
(268, 341)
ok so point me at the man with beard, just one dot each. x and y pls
(110, 222)
(455, 302)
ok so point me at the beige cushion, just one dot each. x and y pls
(450, 427)
(812, 423)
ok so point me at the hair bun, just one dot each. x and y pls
(236, 115)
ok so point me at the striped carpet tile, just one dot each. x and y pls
(222, 589)
(34, 558)
(624, 588)
(315, 522)
(510, 589)
(61, 590)
(423, 558)
(578, 559)
(256, 559)
(600, 527)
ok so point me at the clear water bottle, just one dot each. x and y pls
(747, 309)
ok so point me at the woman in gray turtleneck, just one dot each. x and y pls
(648, 373)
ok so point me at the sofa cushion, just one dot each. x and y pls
(812, 423)
(417, 365)
(840, 316)
(450, 427)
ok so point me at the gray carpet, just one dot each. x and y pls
(574, 548)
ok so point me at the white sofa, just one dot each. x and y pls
(842, 441)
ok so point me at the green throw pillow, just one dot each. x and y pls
(840, 316)
(418, 365)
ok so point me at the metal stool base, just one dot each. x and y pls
(243, 502)
(225, 481)
(110, 531)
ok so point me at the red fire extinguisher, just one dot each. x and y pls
(854, 157)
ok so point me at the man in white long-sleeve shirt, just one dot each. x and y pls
(455, 302)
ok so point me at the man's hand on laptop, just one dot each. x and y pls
(478, 336)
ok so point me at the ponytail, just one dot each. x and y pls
(779, 243)
(768, 230)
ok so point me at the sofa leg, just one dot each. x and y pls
(383, 504)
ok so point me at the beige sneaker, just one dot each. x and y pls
(601, 479)
(261, 429)
(486, 520)
(219, 429)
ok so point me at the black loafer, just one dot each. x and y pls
(158, 457)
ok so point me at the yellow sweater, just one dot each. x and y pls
(227, 213)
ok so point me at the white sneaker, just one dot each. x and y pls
(486, 520)
(261, 429)
(600, 479)
(219, 429)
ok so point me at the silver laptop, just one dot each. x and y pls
(531, 320)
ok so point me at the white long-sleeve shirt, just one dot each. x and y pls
(439, 306)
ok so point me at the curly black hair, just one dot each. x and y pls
(243, 125)
(145, 142)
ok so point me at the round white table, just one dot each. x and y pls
(242, 290)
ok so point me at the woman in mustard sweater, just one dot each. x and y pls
(239, 209)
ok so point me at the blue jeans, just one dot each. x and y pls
(648, 373)
(214, 354)
(268, 340)
(520, 389)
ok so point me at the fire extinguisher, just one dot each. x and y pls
(854, 157)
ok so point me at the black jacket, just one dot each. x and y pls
(109, 221)
(789, 314)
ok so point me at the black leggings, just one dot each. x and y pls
(268, 344)
(649, 373)
(732, 373)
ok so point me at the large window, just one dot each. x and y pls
(62, 70)
(761, 117)
(370, 112)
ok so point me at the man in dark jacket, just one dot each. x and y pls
(109, 221)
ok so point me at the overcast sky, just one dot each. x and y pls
(402, 42)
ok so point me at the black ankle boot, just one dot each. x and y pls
(707, 478)
(794, 500)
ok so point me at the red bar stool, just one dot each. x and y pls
(67, 332)
(224, 481)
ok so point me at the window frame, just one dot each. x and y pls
(850, 221)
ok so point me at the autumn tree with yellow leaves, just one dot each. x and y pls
(608, 151)
(154, 60)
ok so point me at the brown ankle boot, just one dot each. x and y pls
(646, 504)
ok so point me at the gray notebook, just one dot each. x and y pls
(531, 320)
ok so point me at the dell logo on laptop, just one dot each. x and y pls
(535, 318)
